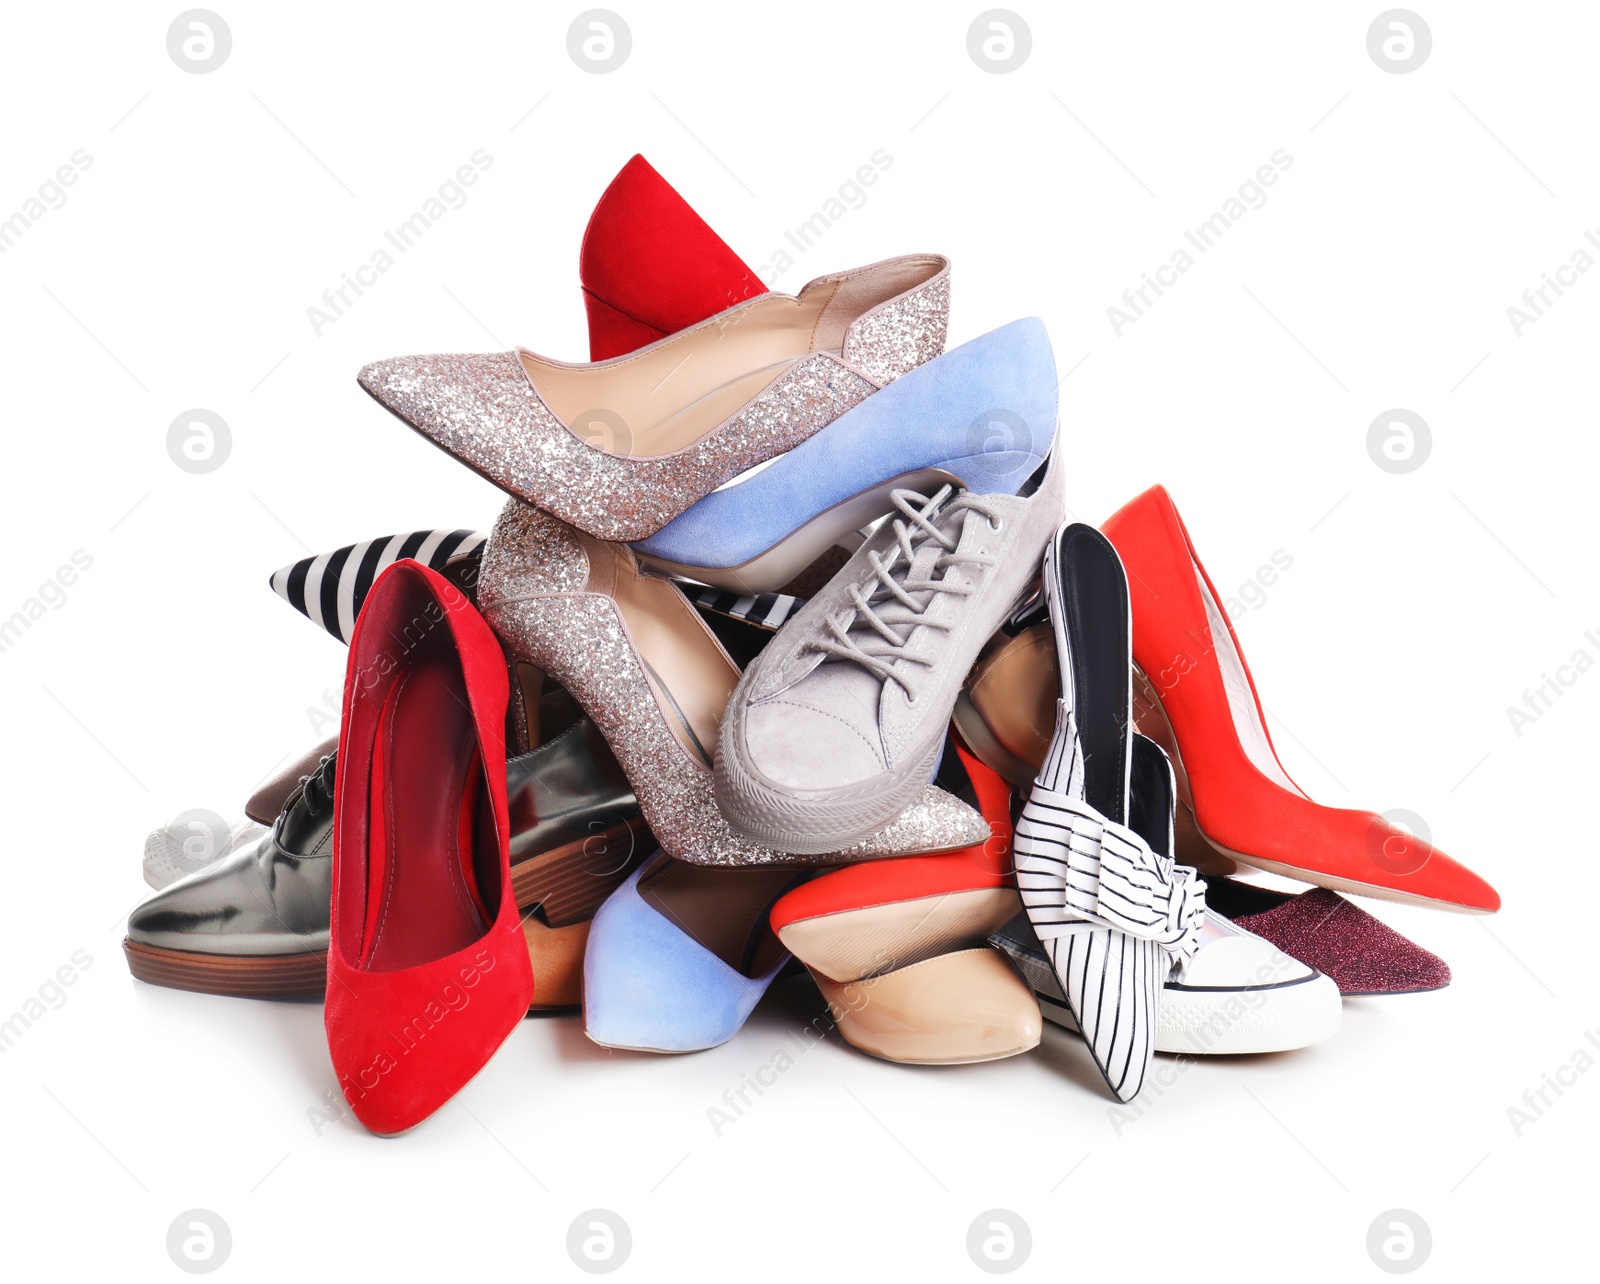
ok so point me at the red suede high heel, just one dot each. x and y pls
(1200, 703)
(427, 969)
(650, 266)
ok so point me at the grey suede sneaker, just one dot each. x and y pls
(839, 723)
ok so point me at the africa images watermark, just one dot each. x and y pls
(450, 195)
(51, 195)
(736, 1101)
(1538, 701)
(1250, 195)
(1537, 300)
(1553, 1085)
(850, 195)
(51, 595)
(52, 994)
(1237, 1010)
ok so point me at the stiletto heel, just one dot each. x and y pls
(650, 674)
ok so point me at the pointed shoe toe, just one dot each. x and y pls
(1360, 953)
(619, 448)
(441, 1025)
(650, 986)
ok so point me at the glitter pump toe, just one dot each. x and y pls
(619, 448)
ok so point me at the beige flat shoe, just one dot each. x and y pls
(953, 1009)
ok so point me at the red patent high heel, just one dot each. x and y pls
(1195, 697)
(428, 972)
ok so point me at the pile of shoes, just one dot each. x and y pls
(781, 649)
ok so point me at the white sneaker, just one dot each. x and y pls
(1238, 994)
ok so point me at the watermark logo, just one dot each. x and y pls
(599, 41)
(199, 441)
(196, 838)
(1399, 441)
(1399, 41)
(199, 41)
(999, 41)
(999, 1241)
(599, 1241)
(605, 430)
(199, 1241)
(1399, 1241)
(1000, 442)
(1402, 845)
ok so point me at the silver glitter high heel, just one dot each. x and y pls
(642, 664)
(621, 447)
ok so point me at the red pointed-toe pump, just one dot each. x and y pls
(650, 266)
(1199, 701)
(428, 972)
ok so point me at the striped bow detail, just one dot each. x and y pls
(1076, 869)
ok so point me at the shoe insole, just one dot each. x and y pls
(1094, 596)
(431, 834)
(722, 910)
(1152, 795)
(670, 395)
(691, 675)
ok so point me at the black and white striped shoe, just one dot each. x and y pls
(764, 610)
(328, 589)
(1237, 993)
(1112, 910)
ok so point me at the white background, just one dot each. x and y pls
(217, 209)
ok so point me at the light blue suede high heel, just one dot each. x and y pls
(679, 956)
(981, 416)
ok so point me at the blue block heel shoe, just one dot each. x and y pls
(981, 416)
(679, 955)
